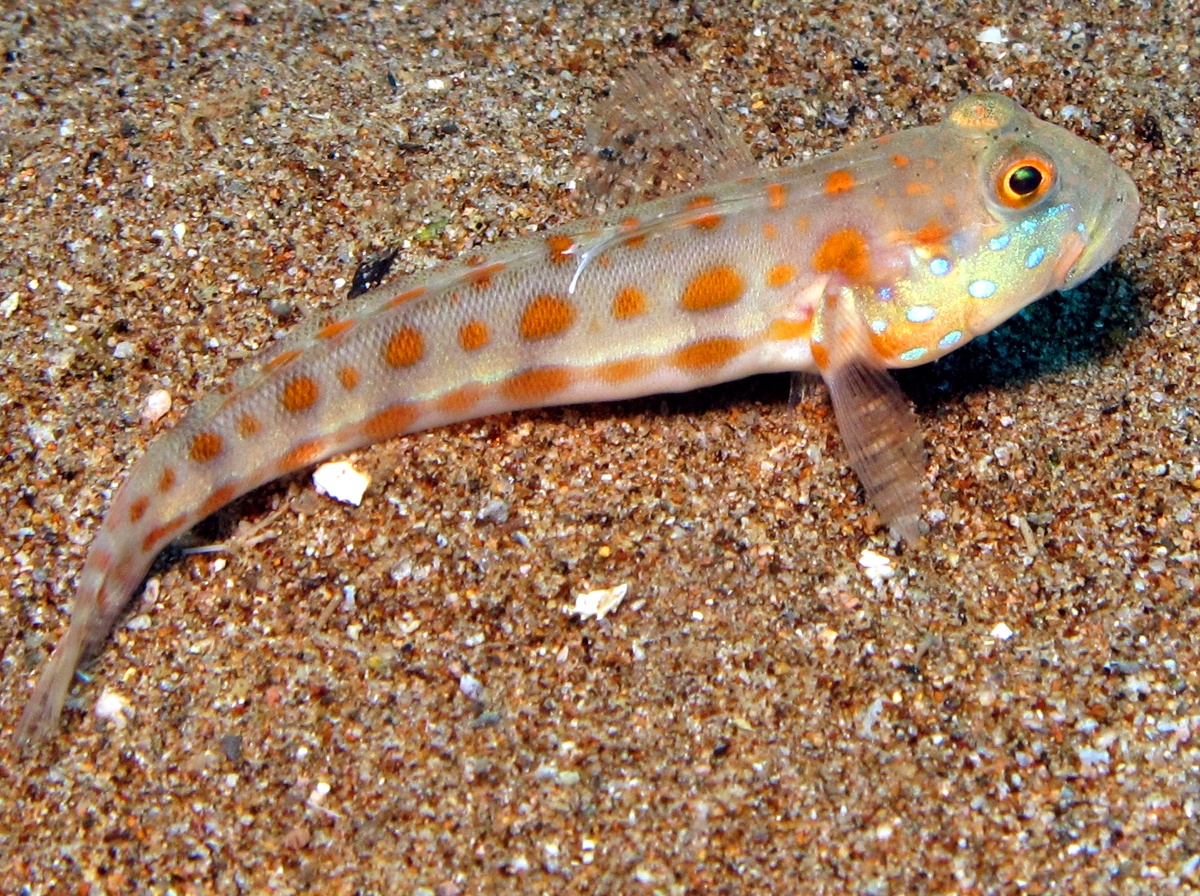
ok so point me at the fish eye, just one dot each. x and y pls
(1023, 182)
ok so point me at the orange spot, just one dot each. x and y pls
(630, 225)
(335, 328)
(299, 394)
(474, 335)
(781, 275)
(166, 481)
(803, 223)
(546, 316)
(281, 359)
(770, 231)
(102, 560)
(217, 500)
(482, 275)
(159, 534)
(205, 446)
(820, 356)
(916, 188)
(461, 399)
(776, 195)
(713, 289)
(248, 425)
(536, 385)
(561, 248)
(630, 302)
(707, 353)
(406, 297)
(391, 422)
(932, 234)
(622, 371)
(301, 456)
(784, 329)
(900, 161)
(705, 221)
(348, 377)
(843, 252)
(839, 181)
(405, 348)
(138, 509)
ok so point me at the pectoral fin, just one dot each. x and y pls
(877, 424)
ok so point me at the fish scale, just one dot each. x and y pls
(884, 255)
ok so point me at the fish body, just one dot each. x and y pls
(888, 254)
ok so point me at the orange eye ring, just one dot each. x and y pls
(1024, 181)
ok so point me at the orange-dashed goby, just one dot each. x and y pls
(888, 254)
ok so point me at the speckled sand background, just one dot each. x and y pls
(392, 699)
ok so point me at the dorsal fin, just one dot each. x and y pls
(654, 135)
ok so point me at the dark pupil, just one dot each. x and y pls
(1025, 180)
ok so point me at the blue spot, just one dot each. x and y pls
(919, 314)
(878, 326)
(1081, 227)
(950, 339)
(913, 354)
(884, 293)
(981, 289)
(1029, 225)
(939, 267)
(1036, 257)
(1000, 242)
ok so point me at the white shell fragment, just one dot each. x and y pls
(341, 481)
(156, 405)
(1001, 632)
(599, 603)
(113, 708)
(877, 567)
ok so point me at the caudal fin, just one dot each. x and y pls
(40, 719)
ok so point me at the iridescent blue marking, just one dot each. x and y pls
(950, 339)
(1000, 242)
(913, 354)
(1081, 227)
(939, 267)
(919, 314)
(884, 293)
(878, 326)
(981, 289)
(1029, 225)
(1034, 258)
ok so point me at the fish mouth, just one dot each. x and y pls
(1113, 222)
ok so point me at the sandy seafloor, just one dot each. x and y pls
(393, 698)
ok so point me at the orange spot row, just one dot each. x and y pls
(843, 252)
(546, 316)
(781, 275)
(248, 425)
(713, 288)
(630, 302)
(706, 220)
(561, 248)
(392, 421)
(405, 348)
(281, 359)
(299, 394)
(474, 335)
(483, 275)
(405, 297)
(839, 181)
(138, 509)
(336, 328)
(205, 447)
(159, 534)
